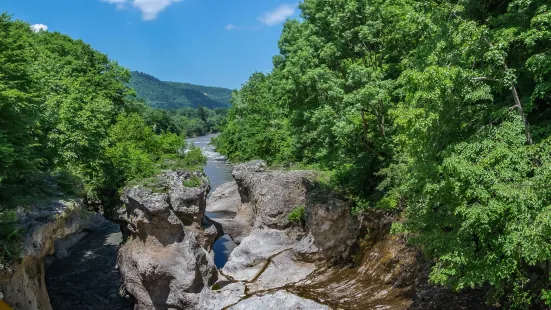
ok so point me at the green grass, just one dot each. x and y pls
(193, 181)
(155, 184)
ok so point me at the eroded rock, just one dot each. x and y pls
(272, 195)
(249, 259)
(282, 270)
(278, 300)
(23, 284)
(165, 261)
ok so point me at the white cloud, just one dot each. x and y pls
(278, 15)
(229, 27)
(39, 27)
(149, 8)
(121, 4)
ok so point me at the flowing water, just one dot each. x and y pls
(219, 172)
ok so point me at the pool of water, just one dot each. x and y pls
(219, 172)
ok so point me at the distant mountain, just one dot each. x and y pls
(173, 95)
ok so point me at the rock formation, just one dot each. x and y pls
(224, 199)
(328, 259)
(278, 254)
(165, 259)
(332, 260)
(48, 228)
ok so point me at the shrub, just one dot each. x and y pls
(10, 245)
(298, 215)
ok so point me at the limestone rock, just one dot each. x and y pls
(282, 270)
(220, 298)
(249, 259)
(165, 260)
(239, 226)
(331, 229)
(225, 199)
(278, 300)
(271, 194)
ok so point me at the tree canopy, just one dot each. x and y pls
(69, 123)
(440, 110)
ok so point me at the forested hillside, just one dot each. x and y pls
(173, 95)
(440, 110)
(69, 125)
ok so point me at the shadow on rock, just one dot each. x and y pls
(87, 277)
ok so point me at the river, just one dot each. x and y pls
(219, 172)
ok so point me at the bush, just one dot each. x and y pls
(10, 245)
(298, 215)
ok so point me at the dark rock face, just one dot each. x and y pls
(86, 279)
(165, 261)
(57, 224)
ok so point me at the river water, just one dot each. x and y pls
(219, 172)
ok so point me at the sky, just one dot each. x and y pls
(207, 42)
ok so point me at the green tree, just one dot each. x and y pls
(18, 103)
(437, 108)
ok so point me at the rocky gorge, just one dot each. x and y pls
(166, 257)
(330, 260)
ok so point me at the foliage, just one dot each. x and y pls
(440, 109)
(154, 183)
(194, 159)
(193, 181)
(10, 245)
(70, 125)
(172, 95)
(298, 215)
(187, 121)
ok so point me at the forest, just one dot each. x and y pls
(173, 95)
(438, 110)
(189, 122)
(70, 125)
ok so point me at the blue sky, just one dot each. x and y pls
(207, 42)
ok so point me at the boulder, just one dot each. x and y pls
(271, 195)
(237, 227)
(225, 199)
(331, 229)
(250, 258)
(165, 261)
(44, 226)
(231, 216)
